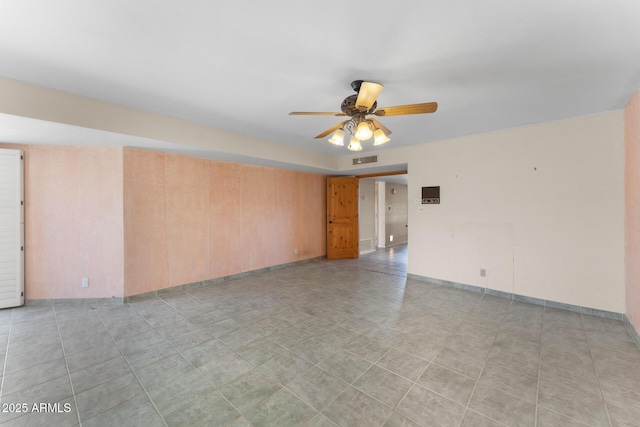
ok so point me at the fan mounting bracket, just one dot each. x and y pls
(356, 85)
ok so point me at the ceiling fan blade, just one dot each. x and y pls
(399, 110)
(314, 113)
(367, 95)
(380, 126)
(328, 131)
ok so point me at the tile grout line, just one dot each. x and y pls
(285, 386)
(351, 384)
(6, 354)
(595, 369)
(66, 365)
(509, 329)
(130, 367)
(475, 386)
(535, 418)
(318, 366)
(323, 370)
(432, 362)
(356, 267)
(415, 382)
(242, 415)
(555, 411)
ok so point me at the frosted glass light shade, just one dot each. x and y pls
(337, 138)
(363, 131)
(354, 145)
(379, 137)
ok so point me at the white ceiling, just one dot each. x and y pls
(243, 65)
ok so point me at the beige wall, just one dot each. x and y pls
(367, 214)
(555, 232)
(632, 209)
(134, 221)
(539, 207)
(396, 215)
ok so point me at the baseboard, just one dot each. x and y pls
(368, 251)
(73, 301)
(172, 289)
(632, 331)
(390, 245)
(215, 281)
(522, 298)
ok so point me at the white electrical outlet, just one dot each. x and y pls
(85, 282)
(295, 251)
(483, 272)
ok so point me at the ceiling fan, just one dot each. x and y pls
(358, 107)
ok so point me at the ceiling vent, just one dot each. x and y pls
(363, 160)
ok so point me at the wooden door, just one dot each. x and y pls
(342, 217)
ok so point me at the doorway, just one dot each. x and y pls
(391, 261)
(383, 212)
(380, 217)
(383, 220)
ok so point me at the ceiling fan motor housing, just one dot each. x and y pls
(348, 106)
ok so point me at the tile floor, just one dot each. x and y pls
(319, 344)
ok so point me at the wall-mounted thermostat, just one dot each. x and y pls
(431, 195)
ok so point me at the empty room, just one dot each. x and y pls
(243, 213)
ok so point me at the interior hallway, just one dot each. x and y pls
(391, 260)
(319, 344)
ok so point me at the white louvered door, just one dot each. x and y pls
(11, 229)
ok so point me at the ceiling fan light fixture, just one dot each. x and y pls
(367, 94)
(357, 108)
(379, 137)
(363, 131)
(337, 138)
(354, 145)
